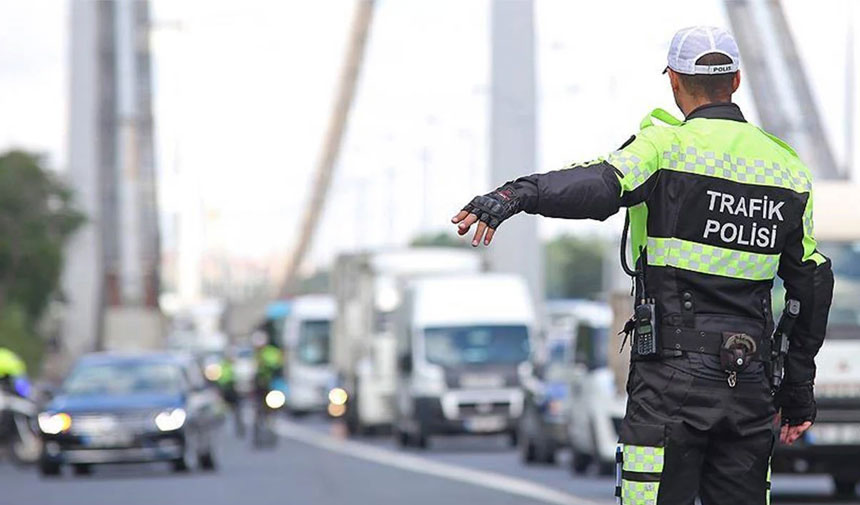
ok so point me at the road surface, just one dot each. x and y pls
(312, 464)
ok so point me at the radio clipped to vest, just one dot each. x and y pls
(643, 326)
(645, 337)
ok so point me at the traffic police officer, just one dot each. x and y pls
(717, 208)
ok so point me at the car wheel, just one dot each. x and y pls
(206, 461)
(422, 439)
(606, 469)
(353, 424)
(401, 437)
(526, 444)
(546, 454)
(527, 451)
(183, 463)
(550, 455)
(82, 469)
(579, 462)
(845, 487)
(49, 469)
(180, 465)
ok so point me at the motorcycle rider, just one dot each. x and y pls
(18, 410)
(227, 385)
(13, 373)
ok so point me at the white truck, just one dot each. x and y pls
(463, 344)
(307, 368)
(367, 289)
(832, 444)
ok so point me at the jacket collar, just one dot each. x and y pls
(718, 110)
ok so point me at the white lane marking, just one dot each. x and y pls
(491, 480)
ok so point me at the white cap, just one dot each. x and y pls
(690, 44)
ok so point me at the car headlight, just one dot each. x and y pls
(53, 424)
(213, 372)
(275, 399)
(337, 396)
(170, 420)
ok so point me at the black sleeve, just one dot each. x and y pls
(594, 190)
(579, 192)
(808, 278)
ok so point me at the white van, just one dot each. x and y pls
(462, 342)
(596, 404)
(307, 367)
(368, 288)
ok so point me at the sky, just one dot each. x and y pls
(243, 90)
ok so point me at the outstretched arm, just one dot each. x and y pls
(594, 190)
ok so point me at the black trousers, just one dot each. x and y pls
(685, 436)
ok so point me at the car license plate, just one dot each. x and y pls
(834, 434)
(485, 424)
(110, 439)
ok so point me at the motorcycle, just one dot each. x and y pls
(267, 406)
(18, 434)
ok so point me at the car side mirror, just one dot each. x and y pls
(404, 363)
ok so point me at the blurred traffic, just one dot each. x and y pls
(153, 350)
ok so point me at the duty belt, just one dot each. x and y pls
(706, 342)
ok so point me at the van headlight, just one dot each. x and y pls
(53, 424)
(338, 396)
(428, 380)
(275, 399)
(170, 420)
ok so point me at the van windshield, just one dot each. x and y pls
(844, 320)
(313, 348)
(466, 345)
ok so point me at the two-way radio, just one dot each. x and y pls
(643, 324)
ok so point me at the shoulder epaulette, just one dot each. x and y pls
(661, 115)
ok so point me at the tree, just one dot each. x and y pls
(574, 267)
(36, 219)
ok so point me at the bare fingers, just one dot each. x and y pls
(479, 232)
(460, 216)
(789, 434)
(489, 236)
(466, 223)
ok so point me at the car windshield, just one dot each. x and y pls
(457, 345)
(123, 378)
(313, 347)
